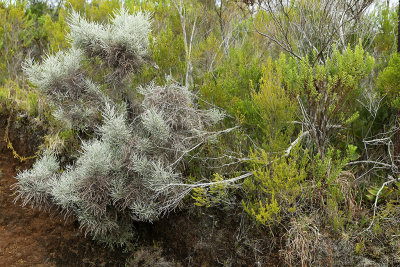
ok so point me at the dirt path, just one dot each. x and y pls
(34, 238)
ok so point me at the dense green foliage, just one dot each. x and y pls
(307, 152)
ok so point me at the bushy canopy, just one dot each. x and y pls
(124, 170)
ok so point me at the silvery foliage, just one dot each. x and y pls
(131, 31)
(155, 124)
(54, 68)
(33, 184)
(61, 78)
(128, 30)
(124, 172)
(126, 34)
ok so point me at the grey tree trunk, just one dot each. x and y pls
(397, 136)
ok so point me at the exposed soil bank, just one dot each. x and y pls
(29, 237)
(35, 238)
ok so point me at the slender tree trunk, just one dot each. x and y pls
(396, 148)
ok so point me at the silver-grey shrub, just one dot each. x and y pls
(127, 167)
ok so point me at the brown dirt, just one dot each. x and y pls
(191, 237)
(33, 238)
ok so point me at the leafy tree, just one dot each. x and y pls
(56, 31)
(398, 30)
(327, 91)
(386, 38)
(16, 35)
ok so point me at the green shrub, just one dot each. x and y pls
(21, 98)
(277, 185)
(331, 187)
(230, 87)
(275, 106)
(388, 81)
(326, 92)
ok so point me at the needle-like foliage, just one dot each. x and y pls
(135, 150)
